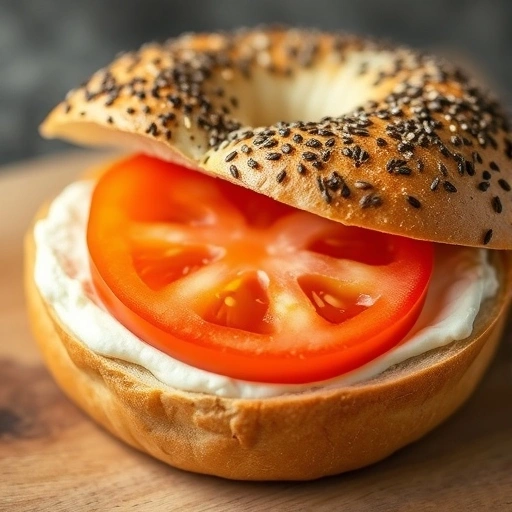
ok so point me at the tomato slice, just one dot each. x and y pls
(235, 283)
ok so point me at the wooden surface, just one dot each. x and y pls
(54, 458)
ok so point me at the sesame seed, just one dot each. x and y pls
(297, 138)
(434, 184)
(487, 236)
(486, 175)
(273, 156)
(363, 185)
(415, 203)
(284, 132)
(234, 171)
(496, 204)
(252, 163)
(130, 110)
(309, 156)
(286, 149)
(300, 168)
(245, 149)
(404, 171)
(449, 187)
(494, 167)
(231, 156)
(330, 142)
(504, 184)
(313, 143)
(152, 129)
(442, 168)
(269, 143)
(483, 186)
(345, 191)
(381, 142)
(110, 120)
(281, 176)
(476, 157)
(470, 168)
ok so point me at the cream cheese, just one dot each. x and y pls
(462, 280)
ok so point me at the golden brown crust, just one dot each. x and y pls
(409, 146)
(295, 437)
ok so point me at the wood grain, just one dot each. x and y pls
(54, 458)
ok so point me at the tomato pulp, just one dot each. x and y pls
(233, 282)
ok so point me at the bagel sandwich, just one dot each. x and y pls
(301, 266)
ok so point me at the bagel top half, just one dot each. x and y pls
(363, 133)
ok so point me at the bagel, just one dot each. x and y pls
(359, 132)
(304, 118)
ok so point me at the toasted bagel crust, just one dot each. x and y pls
(294, 437)
(386, 138)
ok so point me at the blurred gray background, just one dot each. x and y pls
(50, 46)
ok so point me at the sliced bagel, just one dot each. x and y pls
(367, 134)
(292, 437)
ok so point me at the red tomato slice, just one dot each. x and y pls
(235, 283)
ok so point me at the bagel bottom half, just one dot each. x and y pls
(292, 437)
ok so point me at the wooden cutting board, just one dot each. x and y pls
(52, 457)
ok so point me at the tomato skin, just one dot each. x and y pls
(306, 347)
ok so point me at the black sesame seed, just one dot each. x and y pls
(494, 167)
(476, 157)
(130, 110)
(483, 186)
(420, 165)
(326, 155)
(415, 203)
(404, 171)
(298, 138)
(234, 171)
(281, 176)
(245, 149)
(486, 175)
(269, 143)
(284, 132)
(252, 163)
(434, 184)
(347, 152)
(273, 156)
(449, 187)
(286, 149)
(317, 165)
(487, 236)
(309, 156)
(455, 140)
(345, 191)
(442, 168)
(363, 185)
(146, 109)
(504, 185)
(313, 143)
(110, 120)
(231, 156)
(259, 140)
(470, 168)
(404, 147)
(300, 168)
(496, 204)
(381, 142)
(152, 129)
(330, 142)
(460, 168)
